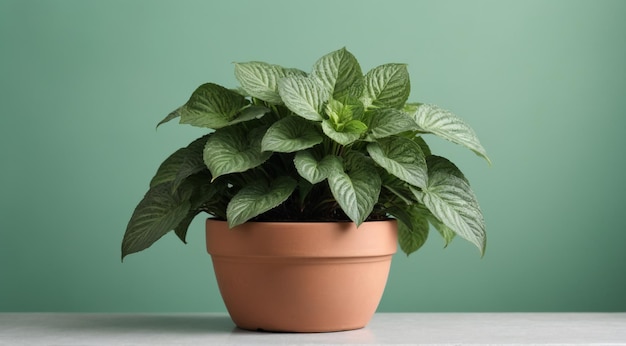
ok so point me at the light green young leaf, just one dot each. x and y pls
(260, 79)
(304, 96)
(387, 86)
(340, 113)
(444, 124)
(291, 134)
(313, 170)
(451, 200)
(233, 149)
(257, 198)
(401, 157)
(211, 106)
(343, 138)
(340, 74)
(356, 190)
(386, 122)
(159, 212)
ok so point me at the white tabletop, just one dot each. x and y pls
(384, 329)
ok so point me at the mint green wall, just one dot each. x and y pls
(543, 83)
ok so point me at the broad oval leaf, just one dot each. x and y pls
(401, 157)
(356, 191)
(387, 86)
(181, 164)
(444, 124)
(311, 169)
(257, 198)
(291, 134)
(260, 79)
(386, 122)
(159, 212)
(211, 106)
(233, 149)
(304, 96)
(451, 200)
(340, 74)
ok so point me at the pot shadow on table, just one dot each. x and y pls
(165, 323)
(181, 324)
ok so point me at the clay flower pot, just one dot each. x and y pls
(301, 277)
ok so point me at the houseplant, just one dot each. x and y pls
(333, 145)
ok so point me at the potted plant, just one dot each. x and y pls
(310, 178)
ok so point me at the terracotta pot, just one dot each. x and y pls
(301, 277)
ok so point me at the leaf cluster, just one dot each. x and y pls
(330, 145)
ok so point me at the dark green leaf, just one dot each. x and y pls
(412, 235)
(159, 212)
(182, 164)
(257, 198)
(441, 164)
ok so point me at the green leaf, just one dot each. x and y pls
(386, 122)
(291, 134)
(311, 169)
(181, 229)
(412, 235)
(173, 115)
(340, 74)
(441, 164)
(182, 164)
(343, 138)
(401, 157)
(257, 198)
(422, 143)
(451, 200)
(397, 187)
(446, 125)
(168, 170)
(260, 79)
(387, 86)
(446, 232)
(341, 113)
(211, 106)
(159, 212)
(303, 96)
(356, 190)
(233, 149)
(355, 126)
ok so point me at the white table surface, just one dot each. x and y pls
(384, 329)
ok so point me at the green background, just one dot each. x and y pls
(543, 83)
